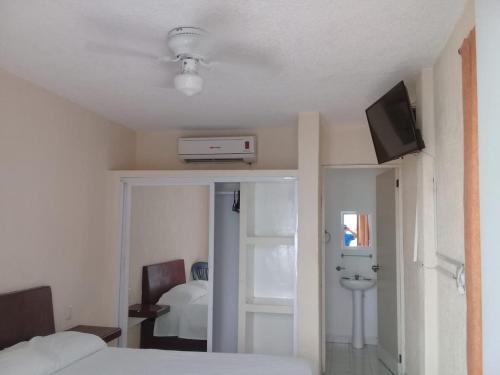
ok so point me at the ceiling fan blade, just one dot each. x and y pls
(124, 29)
(213, 22)
(166, 86)
(121, 51)
(245, 57)
(167, 83)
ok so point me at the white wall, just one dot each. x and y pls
(348, 190)
(435, 313)
(308, 254)
(413, 288)
(166, 223)
(420, 283)
(450, 210)
(488, 61)
(226, 275)
(276, 149)
(346, 145)
(54, 158)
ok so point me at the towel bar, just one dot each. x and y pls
(357, 255)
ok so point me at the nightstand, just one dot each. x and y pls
(147, 311)
(106, 333)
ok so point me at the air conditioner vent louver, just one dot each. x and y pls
(234, 160)
(217, 149)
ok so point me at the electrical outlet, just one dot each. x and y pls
(69, 313)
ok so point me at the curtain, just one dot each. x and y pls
(363, 231)
(471, 206)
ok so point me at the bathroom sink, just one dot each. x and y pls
(357, 283)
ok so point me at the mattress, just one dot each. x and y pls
(75, 353)
(188, 316)
(118, 361)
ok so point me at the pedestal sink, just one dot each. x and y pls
(357, 284)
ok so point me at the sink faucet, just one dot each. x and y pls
(356, 277)
(338, 268)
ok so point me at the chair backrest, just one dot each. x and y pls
(199, 271)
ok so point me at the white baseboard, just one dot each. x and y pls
(387, 359)
(340, 339)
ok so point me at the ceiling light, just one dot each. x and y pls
(189, 83)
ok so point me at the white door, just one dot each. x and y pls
(387, 274)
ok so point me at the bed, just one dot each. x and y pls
(185, 326)
(29, 313)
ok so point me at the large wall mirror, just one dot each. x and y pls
(356, 230)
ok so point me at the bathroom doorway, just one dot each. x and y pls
(362, 323)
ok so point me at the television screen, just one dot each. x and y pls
(392, 125)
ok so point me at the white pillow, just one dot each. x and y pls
(199, 283)
(23, 359)
(19, 345)
(65, 348)
(183, 294)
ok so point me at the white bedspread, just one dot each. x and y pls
(188, 316)
(74, 353)
(118, 361)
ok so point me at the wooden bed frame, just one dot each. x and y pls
(158, 279)
(25, 314)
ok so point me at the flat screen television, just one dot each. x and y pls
(392, 125)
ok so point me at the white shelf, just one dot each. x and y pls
(270, 305)
(270, 301)
(270, 241)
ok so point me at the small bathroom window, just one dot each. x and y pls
(356, 230)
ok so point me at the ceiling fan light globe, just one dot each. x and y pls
(188, 83)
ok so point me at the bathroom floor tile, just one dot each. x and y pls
(342, 359)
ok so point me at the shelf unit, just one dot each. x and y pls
(267, 262)
(270, 305)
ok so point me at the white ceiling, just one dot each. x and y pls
(335, 56)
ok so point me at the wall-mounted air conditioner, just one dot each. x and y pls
(217, 149)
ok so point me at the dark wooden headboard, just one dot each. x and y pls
(160, 278)
(25, 314)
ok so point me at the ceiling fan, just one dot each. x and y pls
(190, 47)
(186, 45)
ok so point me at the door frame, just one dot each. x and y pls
(399, 256)
(119, 189)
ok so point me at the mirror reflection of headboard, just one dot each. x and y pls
(158, 279)
(25, 314)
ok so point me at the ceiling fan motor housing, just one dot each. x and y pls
(189, 65)
(186, 42)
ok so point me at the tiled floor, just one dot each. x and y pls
(342, 359)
